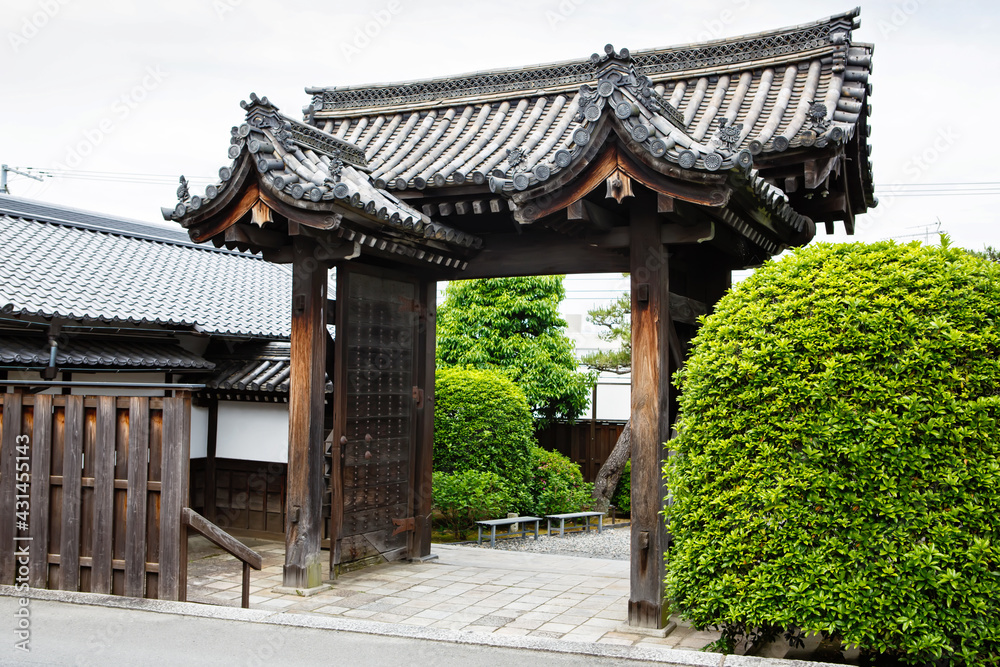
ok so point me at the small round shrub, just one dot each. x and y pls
(555, 485)
(481, 422)
(838, 458)
(468, 496)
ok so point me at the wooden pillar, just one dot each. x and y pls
(303, 521)
(650, 415)
(420, 543)
(211, 511)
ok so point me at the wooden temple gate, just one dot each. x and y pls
(92, 490)
(675, 165)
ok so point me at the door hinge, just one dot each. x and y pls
(406, 525)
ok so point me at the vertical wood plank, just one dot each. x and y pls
(11, 426)
(185, 492)
(56, 490)
(154, 474)
(87, 495)
(69, 542)
(41, 451)
(650, 413)
(104, 498)
(420, 544)
(210, 463)
(135, 521)
(303, 559)
(171, 498)
(120, 497)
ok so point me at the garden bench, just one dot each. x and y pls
(575, 515)
(493, 523)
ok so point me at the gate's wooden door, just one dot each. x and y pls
(374, 418)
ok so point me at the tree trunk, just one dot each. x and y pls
(611, 471)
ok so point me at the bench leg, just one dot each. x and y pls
(493, 537)
(536, 529)
(548, 527)
(600, 524)
(562, 527)
(479, 540)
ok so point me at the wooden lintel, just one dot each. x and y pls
(815, 172)
(699, 232)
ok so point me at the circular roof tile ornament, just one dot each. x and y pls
(225, 173)
(592, 112)
(624, 110)
(315, 194)
(807, 137)
(478, 177)
(780, 143)
(640, 133)
(211, 191)
(438, 179)
(521, 181)
(458, 177)
(298, 191)
(494, 184)
(234, 151)
(581, 137)
(541, 172)
(399, 184)
(419, 183)
(356, 200)
(180, 210)
(744, 159)
(340, 190)
(687, 159)
(836, 134)
(755, 147)
(713, 161)
(605, 88)
(563, 158)
(657, 148)
(195, 203)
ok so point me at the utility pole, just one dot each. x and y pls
(3, 177)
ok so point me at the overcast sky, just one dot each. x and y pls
(153, 87)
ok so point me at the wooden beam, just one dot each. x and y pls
(651, 369)
(303, 522)
(541, 253)
(420, 540)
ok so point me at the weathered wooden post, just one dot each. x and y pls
(650, 415)
(303, 562)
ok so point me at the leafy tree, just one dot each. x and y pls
(481, 422)
(616, 319)
(838, 456)
(513, 325)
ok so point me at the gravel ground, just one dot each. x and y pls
(612, 543)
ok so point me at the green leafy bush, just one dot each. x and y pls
(622, 497)
(555, 485)
(481, 422)
(838, 458)
(465, 497)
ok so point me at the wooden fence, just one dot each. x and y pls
(91, 493)
(587, 442)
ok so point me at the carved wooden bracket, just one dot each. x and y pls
(619, 186)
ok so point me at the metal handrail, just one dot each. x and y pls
(222, 539)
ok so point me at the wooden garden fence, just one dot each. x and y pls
(92, 490)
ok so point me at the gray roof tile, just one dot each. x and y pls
(53, 266)
(25, 351)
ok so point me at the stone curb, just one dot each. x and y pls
(664, 656)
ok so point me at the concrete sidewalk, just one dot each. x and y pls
(500, 593)
(84, 629)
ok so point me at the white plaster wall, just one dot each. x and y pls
(253, 431)
(199, 432)
(158, 378)
(613, 400)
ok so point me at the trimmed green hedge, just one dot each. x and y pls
(462, 498)
(555, 485)
(481, 422)
(838, 465)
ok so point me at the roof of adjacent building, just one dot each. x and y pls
(57, 262)
(117, 354)
(710, 106)
(255, 367)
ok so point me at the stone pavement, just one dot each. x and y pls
(501, 593)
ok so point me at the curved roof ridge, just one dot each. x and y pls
(782, 42)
